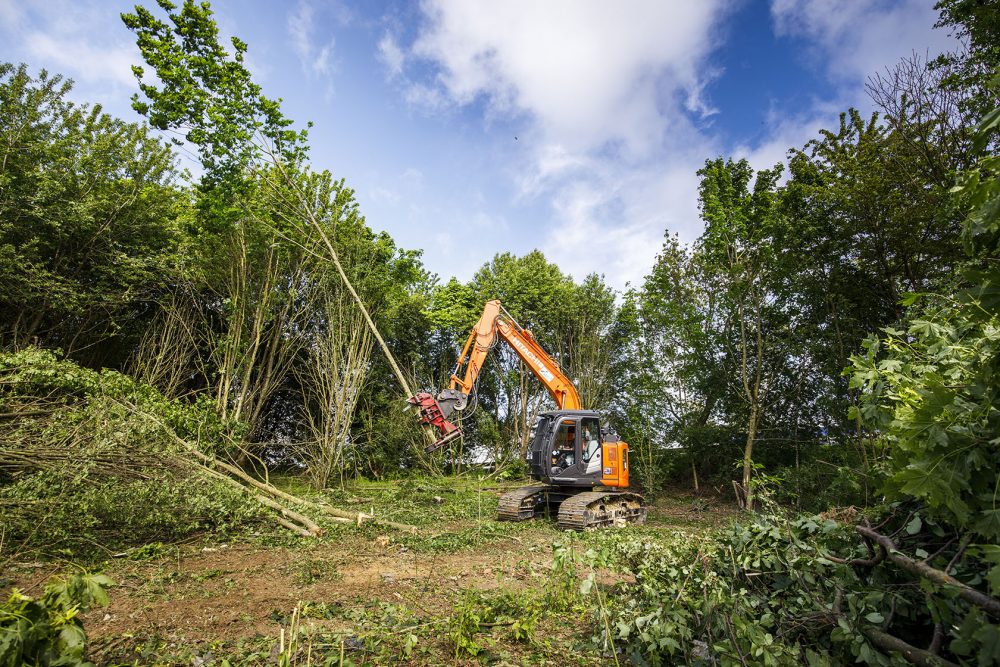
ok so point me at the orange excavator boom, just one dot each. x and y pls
(493, 323)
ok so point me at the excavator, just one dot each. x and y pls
(581, 463)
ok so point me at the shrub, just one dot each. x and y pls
(775, 590)
(48, 631)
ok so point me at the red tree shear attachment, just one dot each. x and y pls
(432, 415)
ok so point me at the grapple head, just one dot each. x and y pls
(435, 414)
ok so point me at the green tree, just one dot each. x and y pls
(969, 71)
(931, 387)
(255, 169)
(590, 341)
(740, 223)
(89, 220)
(204, 89)
(870, 220)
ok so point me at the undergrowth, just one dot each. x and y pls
(48, 630)
(88, 468)
(776, 590)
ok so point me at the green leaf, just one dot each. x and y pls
(988, 523)
(993, 577)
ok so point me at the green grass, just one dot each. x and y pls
(526, 614)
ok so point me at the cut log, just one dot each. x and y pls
(295, 528)
(356, 517)
(311, 526)
(294, 521)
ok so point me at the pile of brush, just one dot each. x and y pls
(96, 459)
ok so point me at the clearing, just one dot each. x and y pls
(358, 595)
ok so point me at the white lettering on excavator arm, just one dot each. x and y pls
(533, 359)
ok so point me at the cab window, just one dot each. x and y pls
(590, 428)
(564, 446)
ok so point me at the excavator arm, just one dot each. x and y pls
(495, 322)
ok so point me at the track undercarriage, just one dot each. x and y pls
(575, 509)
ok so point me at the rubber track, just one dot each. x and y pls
(599, 509)
(522, 504)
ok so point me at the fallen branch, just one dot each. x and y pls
(211, 463)
(25, 413)
(860, 562)
(294, 521)
(885, 641)
(922, 570)
(914, 655)
(299, 530)
(311, 526)
(356, 517)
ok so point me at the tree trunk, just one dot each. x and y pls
(748, 459)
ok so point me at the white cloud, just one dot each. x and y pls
(552, 162)
(607, 98)
(612, 220)
(444, 242)
(83, 60)
(10, 13)
(854, 39)
(413, 177)
(696, 102)
(588, 72)
(484, 220)
(609, 103)
(383, 194)
(315, 58)
(426, 97)
(849, 41)
(786, 129)
(70, 38)
(391, 55)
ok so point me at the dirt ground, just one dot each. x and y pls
(194, 603)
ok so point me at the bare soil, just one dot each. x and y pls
(189, 600)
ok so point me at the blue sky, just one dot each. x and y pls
(572, 126)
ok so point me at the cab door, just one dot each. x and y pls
(591, 454)
(565, 454)
(576, 452)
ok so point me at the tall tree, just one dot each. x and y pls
(740, 258)
(969, 71)
(89, 220)
(206, 91)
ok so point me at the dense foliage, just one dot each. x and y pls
(48, 631)
(254, 315)
(89, 221)
(776, 590)
(95, 461)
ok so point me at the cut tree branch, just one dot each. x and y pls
(924, 571)
(914, 655)
(213, 463)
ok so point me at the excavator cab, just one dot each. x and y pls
(570, 448)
